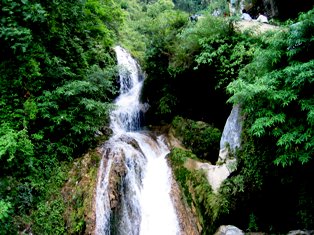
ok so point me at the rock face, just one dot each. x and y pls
(254, 27)
(226, 164)
(232, 130)
(117, 172)
(271, 9)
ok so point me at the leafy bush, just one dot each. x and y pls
(48, 218)
(15, 148)
(208, 33)
(191, 6)
(6, 222)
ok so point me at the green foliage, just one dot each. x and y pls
(159, 7)
(76, 109)
(200, 137)
(47, 214)
(131, 35)
(252, 223)
(6, 217)
(161, 31)
(56, 81)
(147, 22)
(191, 6)
(213, 45)
(300, 40)
(15, 148)
(4, 210)
(221, 5)
(208, 30)
(13, 13)
(48, 218)
(282, 87)
(166, 104)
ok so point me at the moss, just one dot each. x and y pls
(209, 207)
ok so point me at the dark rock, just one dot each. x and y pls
(301, 232)
(106, 131)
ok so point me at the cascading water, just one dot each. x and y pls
(134, 180)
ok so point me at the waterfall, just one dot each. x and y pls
(134, 180)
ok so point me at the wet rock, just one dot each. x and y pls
(223, 155)
(106, 131)
(174, 142)
(117, 172)
(129, 140)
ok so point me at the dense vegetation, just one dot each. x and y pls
(274, 91)
(58, 79)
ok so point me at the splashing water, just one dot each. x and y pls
(142, 204)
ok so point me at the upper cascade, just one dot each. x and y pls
(126, 117)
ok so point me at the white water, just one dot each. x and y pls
(145, 205)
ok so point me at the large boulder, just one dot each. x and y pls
(215, 174)
(229, 230)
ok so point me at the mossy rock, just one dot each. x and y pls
(202, 138)
(78, 194)
(197, 192)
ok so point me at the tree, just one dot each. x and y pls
(57, 81)
(277, 98)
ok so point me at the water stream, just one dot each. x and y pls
(134, 180)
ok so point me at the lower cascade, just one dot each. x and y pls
(134, 179)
